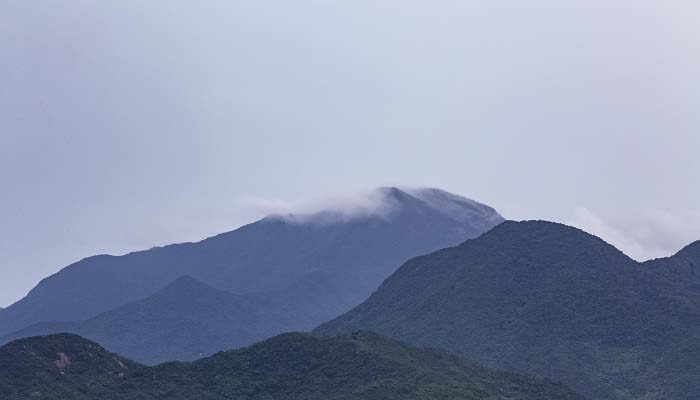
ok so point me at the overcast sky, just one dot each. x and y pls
(129, 124)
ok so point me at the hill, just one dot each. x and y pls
(553, 301)
(184, 321)
(290, 366)
(322, 263)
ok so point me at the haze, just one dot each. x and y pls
(125, 125)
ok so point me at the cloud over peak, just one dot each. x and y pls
(381, 202)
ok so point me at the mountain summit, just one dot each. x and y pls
(389, 202)
(317, 265)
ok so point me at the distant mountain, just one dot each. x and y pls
(553, 301)
(186, 320)
(362, 366)
(319, 265)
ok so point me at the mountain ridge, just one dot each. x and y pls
(551, 300)
(318, 270)
(290, 366)
(184, 321)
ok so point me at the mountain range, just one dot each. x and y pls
(550, 300)
(534, 298)
(362, 366)
(282, 273)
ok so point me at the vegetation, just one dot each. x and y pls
(290, 366)
(550, 300)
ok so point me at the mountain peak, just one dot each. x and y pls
(390, 201)
(185, 285)
(54, 343)
(59, 352)
(547, 234)
(534, 230)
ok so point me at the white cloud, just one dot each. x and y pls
(642, 234)
(330, 208)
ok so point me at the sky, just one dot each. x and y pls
(126, 125)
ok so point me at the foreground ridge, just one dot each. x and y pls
(291, 366)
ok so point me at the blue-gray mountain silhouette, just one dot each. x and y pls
(318, 265)
(185, 320)
(554, 301)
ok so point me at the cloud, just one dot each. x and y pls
(642, 234)
(329, 209)
(265, 206)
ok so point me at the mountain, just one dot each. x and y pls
(290, 366)
(185, 320)
(318, 265)
(550, 300)
(351, 254)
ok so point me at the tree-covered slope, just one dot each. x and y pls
(551, 300)
(291, 366)
(322, 263)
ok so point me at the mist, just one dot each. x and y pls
(125, 125)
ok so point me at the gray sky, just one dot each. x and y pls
(129, 124)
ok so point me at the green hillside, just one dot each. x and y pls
(290, 366)
(550, 300)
